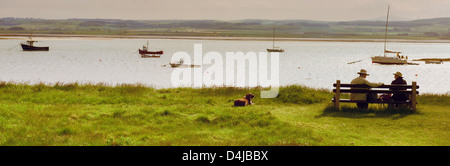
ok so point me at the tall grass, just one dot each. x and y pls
(303, 95)
(434, 99)
(133, 114)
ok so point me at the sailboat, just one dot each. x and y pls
(274, 49)
(398, 59)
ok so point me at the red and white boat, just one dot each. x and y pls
(145, 53)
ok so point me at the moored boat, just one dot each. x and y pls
(145, 53)
(274, 49)
(177, 64)
(29, 46)
(385, 59)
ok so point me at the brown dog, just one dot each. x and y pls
(247, 100)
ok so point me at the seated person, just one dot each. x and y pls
(363, 96)
(398, 81)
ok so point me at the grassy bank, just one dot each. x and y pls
(73, 114)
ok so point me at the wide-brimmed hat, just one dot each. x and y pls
(362, 71)
(398, 74)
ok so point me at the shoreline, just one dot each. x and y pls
(106, 37)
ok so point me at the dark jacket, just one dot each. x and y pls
(399, 97)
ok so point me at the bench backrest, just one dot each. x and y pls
(398, 89)
(382, 86)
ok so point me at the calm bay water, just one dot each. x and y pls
(314, 64)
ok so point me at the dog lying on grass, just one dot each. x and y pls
(247, 100)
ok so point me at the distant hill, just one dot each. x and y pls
(435, 28)
(391, 18)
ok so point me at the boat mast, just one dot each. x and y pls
(385, 32)
(273, 45)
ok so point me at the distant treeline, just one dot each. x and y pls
(438, 28)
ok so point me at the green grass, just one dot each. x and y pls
(75, 114)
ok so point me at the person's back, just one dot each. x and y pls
(362, 96)
(358, 96)
(399, 81)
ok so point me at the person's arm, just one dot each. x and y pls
(392, 83)
(373, 85)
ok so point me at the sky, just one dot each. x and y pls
(321, 10)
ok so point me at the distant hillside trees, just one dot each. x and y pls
(437, 28)
(92, 23)
(16, 29)
(431, 34)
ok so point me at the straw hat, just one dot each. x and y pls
(362, 71)
(398, 74)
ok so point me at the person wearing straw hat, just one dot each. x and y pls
(399, 81)
(363, 96)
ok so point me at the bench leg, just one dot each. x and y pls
(362, 105)
(337, 97)
(413, 96)
(390, 105)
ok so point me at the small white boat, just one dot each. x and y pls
(177, 64)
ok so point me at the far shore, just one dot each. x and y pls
(106, 37)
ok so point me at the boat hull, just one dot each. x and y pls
(150, 52)
(175, 65)
(434, 62)
(150, 56)
(275, 50)
(388, 60)
(26, 47)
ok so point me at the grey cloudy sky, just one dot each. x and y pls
(326, 10)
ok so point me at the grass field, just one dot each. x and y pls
(128, 115)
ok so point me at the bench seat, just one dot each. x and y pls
(377, 101)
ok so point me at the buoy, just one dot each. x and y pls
(416, 75)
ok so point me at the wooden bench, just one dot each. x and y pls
(411, 91)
